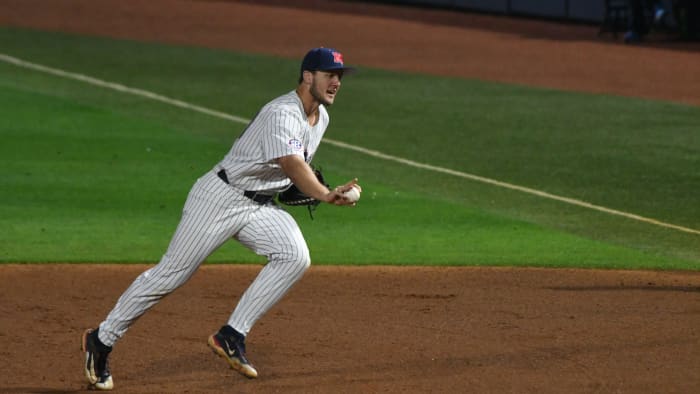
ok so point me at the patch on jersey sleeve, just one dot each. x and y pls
(295, 144)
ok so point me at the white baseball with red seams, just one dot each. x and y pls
(353, 194)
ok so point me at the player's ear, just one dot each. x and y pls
(308, 77)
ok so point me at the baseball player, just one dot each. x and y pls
(235, 200)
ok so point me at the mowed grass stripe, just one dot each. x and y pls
(178, 103)
(83, 186)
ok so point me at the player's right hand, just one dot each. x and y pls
(336, 196)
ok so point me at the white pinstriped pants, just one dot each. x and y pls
(215, 212)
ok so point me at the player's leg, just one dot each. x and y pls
(211, 215)
(275, 234)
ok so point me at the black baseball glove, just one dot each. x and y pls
(295, 197)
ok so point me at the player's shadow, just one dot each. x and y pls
(42, 390)
(179, 365)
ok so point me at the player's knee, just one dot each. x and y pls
(305, 263)
(303, 260)
(300, 259)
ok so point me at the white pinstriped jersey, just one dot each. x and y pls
(280, 129)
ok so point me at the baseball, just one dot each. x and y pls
(353, 194)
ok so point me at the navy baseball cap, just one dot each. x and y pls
(324, 59)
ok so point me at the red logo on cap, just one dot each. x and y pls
(338, 57)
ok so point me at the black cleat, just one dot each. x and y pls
(230, 345)
(96, 361)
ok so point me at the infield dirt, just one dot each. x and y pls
(374, 329)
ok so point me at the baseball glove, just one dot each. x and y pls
(295, 197)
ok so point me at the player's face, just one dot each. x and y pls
(325, 86)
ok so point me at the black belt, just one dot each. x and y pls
(253, 195)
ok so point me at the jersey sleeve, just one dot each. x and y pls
(283, 136)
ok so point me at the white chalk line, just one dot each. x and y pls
(373, 153)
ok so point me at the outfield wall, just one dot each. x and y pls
(574, 10)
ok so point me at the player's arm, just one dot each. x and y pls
(303, 177)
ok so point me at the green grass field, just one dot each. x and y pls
(91, 174)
